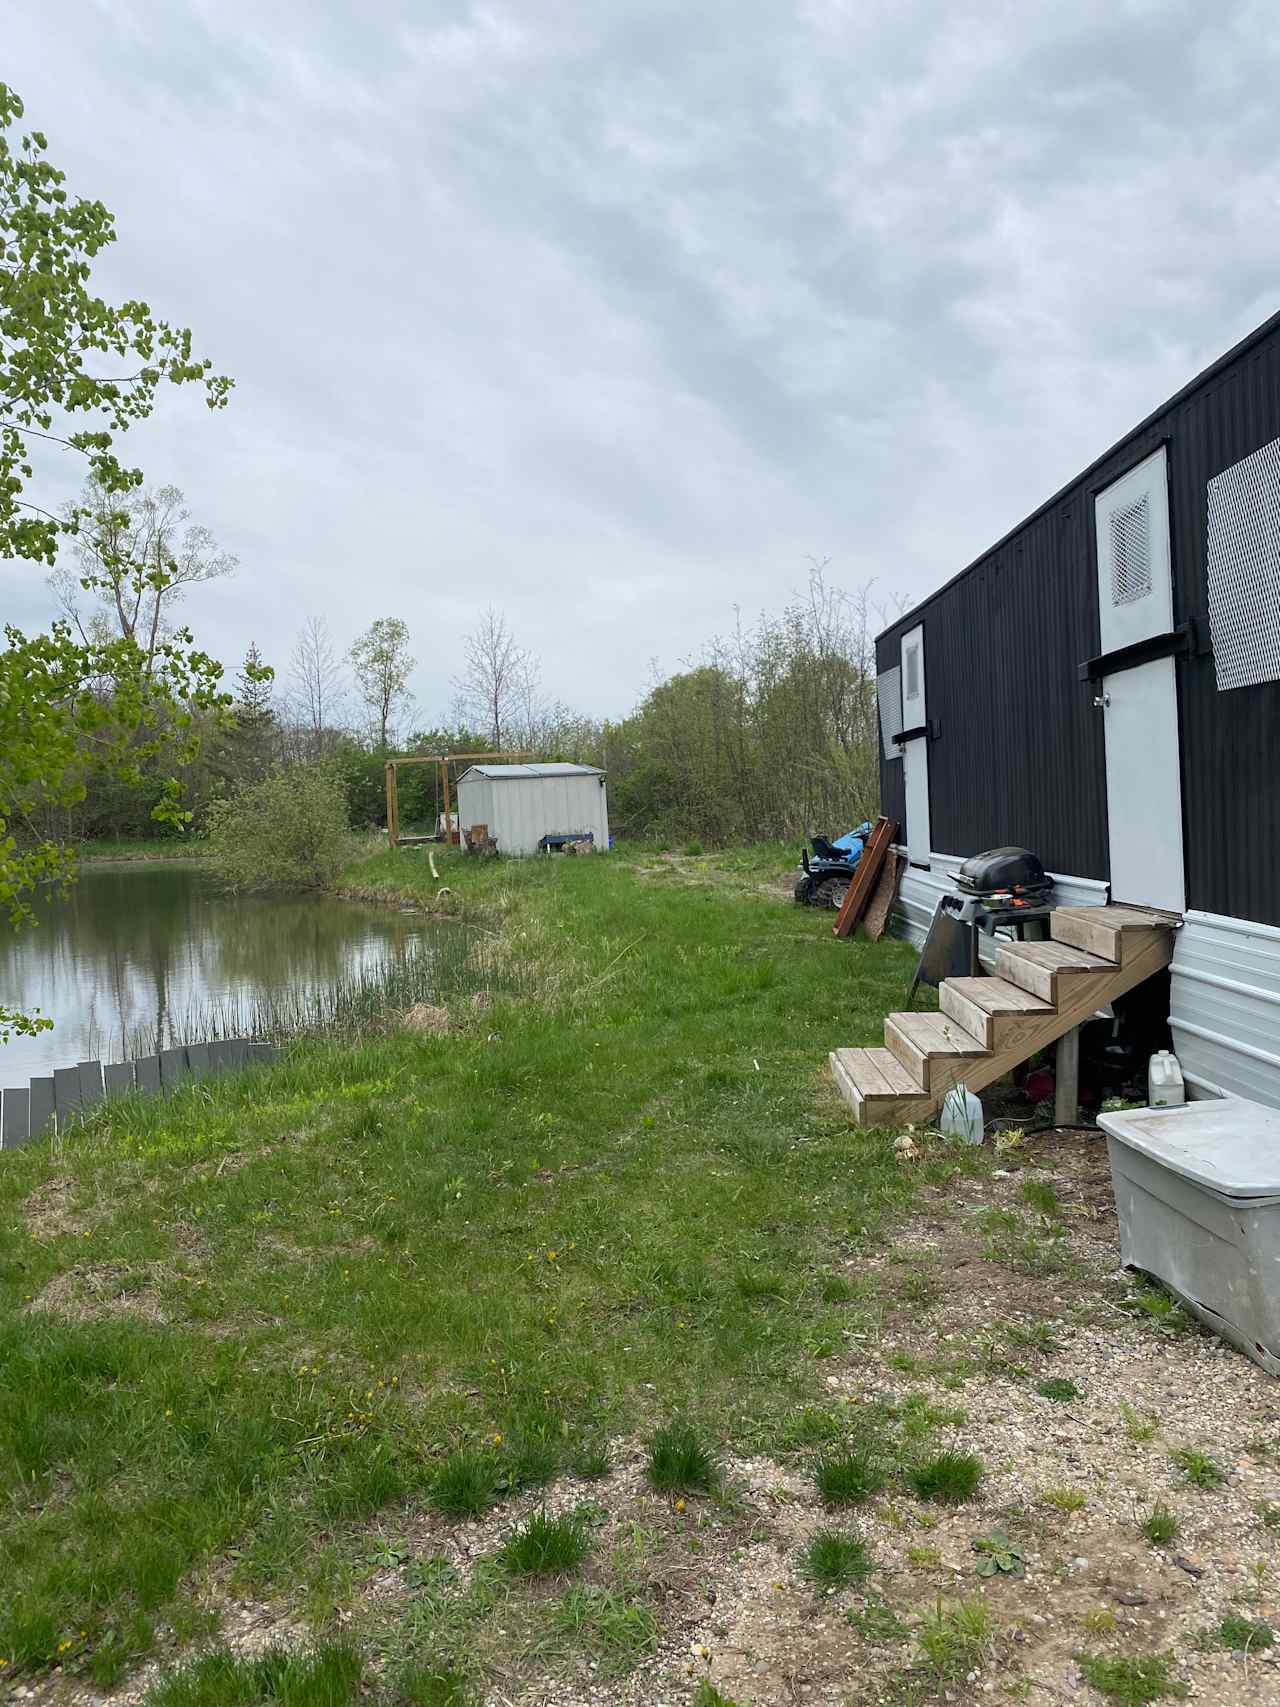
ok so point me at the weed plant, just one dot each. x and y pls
(435, 1686)
(707, 1695)
(1160, 1526)
(326, 1677)
(1200, 1470)
(1132, 1680)
(1058, 1388)
(834, 1559)
(1140, 1426)
(877, 1623)
(950, 1478)
(1149, 1301)
(619, 1631)
(466, 1484)
(849, 1477)
(1065, 1498)
(681, 1461)
(1244, 1635)
(546, 1544)
(955, 1637)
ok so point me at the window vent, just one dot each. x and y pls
(1131, 551)
(889, 696)
(1244, 570)
(913, 672)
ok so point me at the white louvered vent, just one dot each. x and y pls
(889, 698)
(1131, 551)
(1244, 570)
(913, 673)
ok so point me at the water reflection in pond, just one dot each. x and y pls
(141, 948)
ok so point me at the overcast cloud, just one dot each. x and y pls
(611, 314)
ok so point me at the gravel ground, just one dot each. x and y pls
(974, 1328)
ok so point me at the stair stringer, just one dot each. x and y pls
(1017, 1037)
(1014, 1037)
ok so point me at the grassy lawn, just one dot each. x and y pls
(140, 847)
(242, 1325)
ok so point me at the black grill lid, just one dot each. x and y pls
(1003, 868)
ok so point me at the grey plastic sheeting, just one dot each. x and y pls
(1229, 1146)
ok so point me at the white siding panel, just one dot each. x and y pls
(1225, 1007)
(474, 804)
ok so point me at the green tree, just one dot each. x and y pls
(381, 663)
(76, 371)
(289, 827)
(253, 696)
(250, 746)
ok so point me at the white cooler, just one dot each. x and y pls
(1198, 1195)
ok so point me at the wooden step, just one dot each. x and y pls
(918, 1040)
(989, 1008)
(1038, 966)
(878, 1087)
(1113, 933)
(986, 1026)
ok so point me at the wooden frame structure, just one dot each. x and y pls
(444, 760)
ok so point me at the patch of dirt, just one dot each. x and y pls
(91, 1292)
(246, 1627)
(426, 1018)
(50, 1212)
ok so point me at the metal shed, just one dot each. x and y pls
(522, 804)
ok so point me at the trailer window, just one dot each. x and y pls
(1244, 569)
(913, 672)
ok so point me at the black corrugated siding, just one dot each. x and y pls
(1017, 753)
(1230, 741)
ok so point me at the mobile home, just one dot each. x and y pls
(1103, 687)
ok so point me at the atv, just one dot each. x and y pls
(827, 873)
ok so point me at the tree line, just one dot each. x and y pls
(116, 722)
(770, 731)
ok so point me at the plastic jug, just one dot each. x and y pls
(1165, 1088)
(962, 1115)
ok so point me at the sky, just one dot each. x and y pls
(614, 315)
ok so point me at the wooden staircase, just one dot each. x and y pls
(986, 1026)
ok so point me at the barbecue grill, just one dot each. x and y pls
(1009, 877)
(1002, 889)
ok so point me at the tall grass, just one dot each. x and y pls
(451, 967)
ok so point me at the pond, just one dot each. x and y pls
(142, 954)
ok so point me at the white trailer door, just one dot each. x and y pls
(915, 750)
(1139, 701)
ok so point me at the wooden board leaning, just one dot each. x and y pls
(865, 877)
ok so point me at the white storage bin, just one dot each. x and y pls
(1198, 1196)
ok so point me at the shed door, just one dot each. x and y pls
(915, 747)
(1139, 701)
